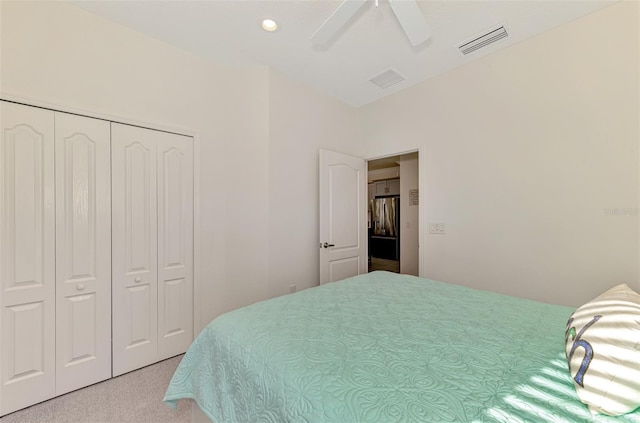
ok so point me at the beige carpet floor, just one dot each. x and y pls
(133, 397)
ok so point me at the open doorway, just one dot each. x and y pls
(393, 219)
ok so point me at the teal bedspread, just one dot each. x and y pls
(384, 348)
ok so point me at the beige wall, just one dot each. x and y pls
(301, 121)
(259, 135)
(409, 221)
(57, 53)
(524, 151)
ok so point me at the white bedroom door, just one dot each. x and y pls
(134, 237)
(83, 251)
(343, 214)
(27, 252)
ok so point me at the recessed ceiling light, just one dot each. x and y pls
(269, 25)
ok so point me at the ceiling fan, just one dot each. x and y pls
(407, 12)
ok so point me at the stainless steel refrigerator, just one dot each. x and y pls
(385, 228)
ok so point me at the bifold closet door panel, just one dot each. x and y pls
(27, 251)
(134, 248)
(175, 244)
(83, 251)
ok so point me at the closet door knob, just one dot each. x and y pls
(80, 287)
(138, 279)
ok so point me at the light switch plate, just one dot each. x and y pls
(437, 228)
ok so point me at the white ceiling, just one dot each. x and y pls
(229, 32)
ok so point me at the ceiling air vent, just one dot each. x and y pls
(387, 79)
(483, 40)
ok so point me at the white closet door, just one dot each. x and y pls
(27, 251)
(134, 237)
(175, 244)
(83, 251)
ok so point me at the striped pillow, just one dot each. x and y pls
(603, 351)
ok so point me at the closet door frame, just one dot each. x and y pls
(198, 285)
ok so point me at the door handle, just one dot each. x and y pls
(327, 245)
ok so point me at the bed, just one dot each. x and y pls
(383, 347)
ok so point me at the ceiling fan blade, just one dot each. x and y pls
(412, 20)
(337, 20)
